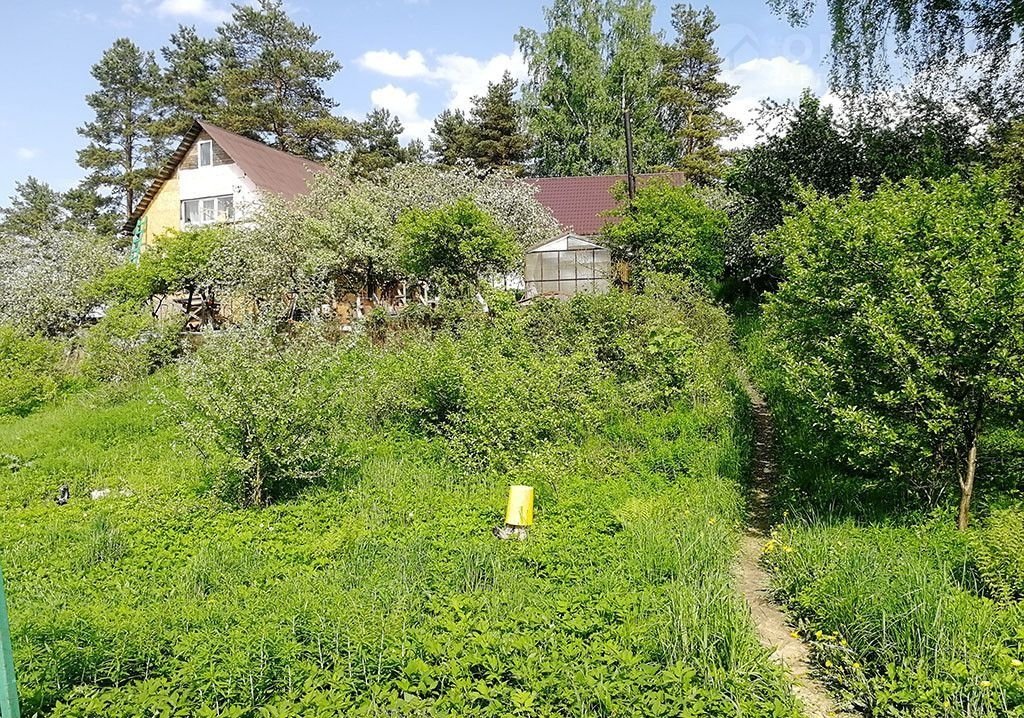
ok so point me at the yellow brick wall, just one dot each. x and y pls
(163, 213)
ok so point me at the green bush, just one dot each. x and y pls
(999, 553)
(897, 333)
(127, 344)
(670, 229)
(33, 371)
(267, 408)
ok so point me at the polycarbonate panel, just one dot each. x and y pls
(532, 267)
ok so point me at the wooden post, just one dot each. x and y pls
(8, 685)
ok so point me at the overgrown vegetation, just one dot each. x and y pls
(374, 585)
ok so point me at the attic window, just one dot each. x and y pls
(206, 153)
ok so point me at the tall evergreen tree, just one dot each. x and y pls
(450, 139)
(192, 84)
(375, 142)
(692, 94)
(496, 127)
(592, 53)
(34, 208)
(88, 209)
(273, 81)
(124, 144)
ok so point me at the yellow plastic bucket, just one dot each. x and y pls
(520, 506)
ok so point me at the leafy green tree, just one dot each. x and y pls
(124, 144)
(901, 326)
(192, 82)
(928, 35)
(450, 139)
(34, 207)
(273, 81)
(496, 128)
(375, 143)
(692, 94)
(457, 246)
(633, 82)
(811, 147)
(594, 56)
(669, 229)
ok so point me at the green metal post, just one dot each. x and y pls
(8, 685)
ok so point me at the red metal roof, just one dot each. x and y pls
(581, 204)
(270, 169)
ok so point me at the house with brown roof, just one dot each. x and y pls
(576, 261)
(214, 176)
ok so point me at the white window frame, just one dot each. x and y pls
(199, 159)
(208, 210)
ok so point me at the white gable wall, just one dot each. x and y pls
(217, 181)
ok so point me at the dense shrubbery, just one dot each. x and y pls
(268, 410)
(33, 371)
(492, 388)
(898, 331)
(999, 553)
(128, 344)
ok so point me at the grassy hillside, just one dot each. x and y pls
(381, 591)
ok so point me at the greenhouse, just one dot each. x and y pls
(566, 266)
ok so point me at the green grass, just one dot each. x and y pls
(383, 596)
(906, 616)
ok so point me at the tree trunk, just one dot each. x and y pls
(967, 482)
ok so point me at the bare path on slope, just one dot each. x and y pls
(752, 581)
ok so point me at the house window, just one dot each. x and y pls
(207, 210)
(206, 153)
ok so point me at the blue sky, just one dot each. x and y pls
(415, 57)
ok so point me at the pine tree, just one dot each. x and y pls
(192, 85)
(124, 143)
(88, 209)
(450, 138)
(374, 143)
(692, 95)
(496, 128)
(35, 207)
(273, 81)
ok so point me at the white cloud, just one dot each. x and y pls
(406, 107)
(26, 153)
(467, 77)
(463, 76)
(200, 9)
(776, 78)
(392, 64)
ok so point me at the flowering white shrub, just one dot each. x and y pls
(42, 279)
(342, 236)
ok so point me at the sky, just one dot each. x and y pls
(413, 57)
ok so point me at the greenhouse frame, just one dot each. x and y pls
(566, 266)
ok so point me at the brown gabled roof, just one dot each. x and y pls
(269, 169)
(581, 204)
